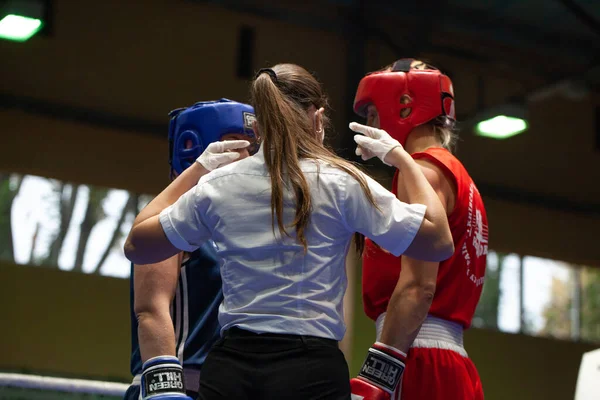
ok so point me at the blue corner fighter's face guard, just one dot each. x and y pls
(204, 123)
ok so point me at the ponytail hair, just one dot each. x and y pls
(281, 97)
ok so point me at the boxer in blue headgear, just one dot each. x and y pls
(192, 129)
(174, 304)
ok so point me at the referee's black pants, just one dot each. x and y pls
(245, 366)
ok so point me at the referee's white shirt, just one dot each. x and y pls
(269, 283)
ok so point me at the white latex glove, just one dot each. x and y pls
(375, 142)
(218, 154)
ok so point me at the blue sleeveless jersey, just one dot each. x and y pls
(194, 310)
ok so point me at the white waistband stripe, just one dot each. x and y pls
(435, 333)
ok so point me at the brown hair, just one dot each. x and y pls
(281, 96)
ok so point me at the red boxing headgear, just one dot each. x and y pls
(427, 92)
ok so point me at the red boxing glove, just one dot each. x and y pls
(379, 376)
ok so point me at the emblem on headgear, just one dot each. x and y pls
(405, 97)
(202, 124)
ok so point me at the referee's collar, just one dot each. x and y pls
(261, 152)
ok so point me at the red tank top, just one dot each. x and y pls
(460, 278)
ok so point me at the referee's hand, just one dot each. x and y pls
(373, 142)
(218, 154)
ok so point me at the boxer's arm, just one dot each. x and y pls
(407, 308)
(413, 295)
(154, 289)
(147, 242)
(410, 302)
(214, 156)
(184, 182)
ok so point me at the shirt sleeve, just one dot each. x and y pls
(182, 221)
(393, 227)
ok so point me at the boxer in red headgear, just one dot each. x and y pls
(421, 308)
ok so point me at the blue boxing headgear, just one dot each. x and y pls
(204, 123)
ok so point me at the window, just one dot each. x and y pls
(498, 307)
(540, 297)
(548, 298)
(590, 304)
(72, 227)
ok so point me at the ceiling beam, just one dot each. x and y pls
(486, 25)
(84, 115)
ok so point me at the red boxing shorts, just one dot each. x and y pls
(437, 367)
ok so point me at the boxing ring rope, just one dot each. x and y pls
(62, 384)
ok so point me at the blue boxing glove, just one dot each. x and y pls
(162, 379)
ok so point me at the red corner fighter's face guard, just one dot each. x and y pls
(405, 97)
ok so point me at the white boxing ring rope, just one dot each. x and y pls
(62, 384)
